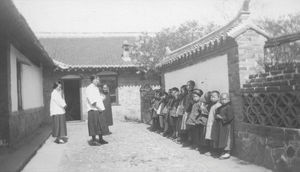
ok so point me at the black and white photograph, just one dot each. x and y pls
(149, 85)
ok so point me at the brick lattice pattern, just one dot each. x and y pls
(273, 98)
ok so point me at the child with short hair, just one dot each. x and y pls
(173, 114)
(211, 123)
(202, 121)
(193, 122)
(186, 138)
(162, 110)
(224, 118)
(180, 112)
(170, 100)
(155, 102)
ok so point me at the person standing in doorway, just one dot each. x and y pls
(95, 107)
(57, 111)
(107, 104)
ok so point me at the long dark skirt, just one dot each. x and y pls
(108, 111)
(96, 123)
(59, 127)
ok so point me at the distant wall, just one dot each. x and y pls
(211, 74)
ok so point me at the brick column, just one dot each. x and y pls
(4, 91)
(251, 54)
(234, 83)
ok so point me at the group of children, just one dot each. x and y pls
(201, 121)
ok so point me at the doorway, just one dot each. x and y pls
(72, 97)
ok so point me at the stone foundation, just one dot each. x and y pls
(273, 147)
(24, 122)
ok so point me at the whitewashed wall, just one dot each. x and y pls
(211, 74)
(31, 82)
(130, 103)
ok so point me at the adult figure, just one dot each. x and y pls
(107, 104)
(57, 111)
(95, 107)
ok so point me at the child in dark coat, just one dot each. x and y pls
(194, 120)
(186, 138)
(180, 112)
(224, 118)
(162, 110)
(173, 110)
(167, 108)
(155, 102)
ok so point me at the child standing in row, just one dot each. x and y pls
(211, 122)
(173, 114)
(193, 122)
(187, 110)
(162, 110)
(224, 122)
(155, 102)
(167, 109)
(180, 111)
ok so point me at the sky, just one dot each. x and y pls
(78, 16)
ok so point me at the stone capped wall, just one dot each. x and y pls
(268, 132)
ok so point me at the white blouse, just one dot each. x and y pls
(93, 96)
(57, 103)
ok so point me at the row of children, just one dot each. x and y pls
(203, 122)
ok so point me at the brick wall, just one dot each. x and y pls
(251, 53)
(267, 131)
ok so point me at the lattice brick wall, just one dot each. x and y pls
(280, 109)
(273, 98)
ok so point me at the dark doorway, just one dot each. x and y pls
(72, 97)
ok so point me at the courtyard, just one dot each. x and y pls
(131, 148)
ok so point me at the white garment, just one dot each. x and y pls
(158, 111)
(93, 96)
(57, 103)
(210, 120)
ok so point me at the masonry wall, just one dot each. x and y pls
(251, 54)
(271, 136)
(23, 122)
(4, 90)
(210, 74)
(266, 126)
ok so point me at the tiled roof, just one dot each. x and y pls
(237, 26)
(87, 52)
(15, 27)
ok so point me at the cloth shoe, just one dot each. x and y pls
(225, 156)
(93, 143)
(101, 141)
(59, 141)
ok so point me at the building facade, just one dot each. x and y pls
(23, 62)
(79, 56)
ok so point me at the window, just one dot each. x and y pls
(19, 85)
(111, 81)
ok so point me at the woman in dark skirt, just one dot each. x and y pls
(57, 111)
(107, 104)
